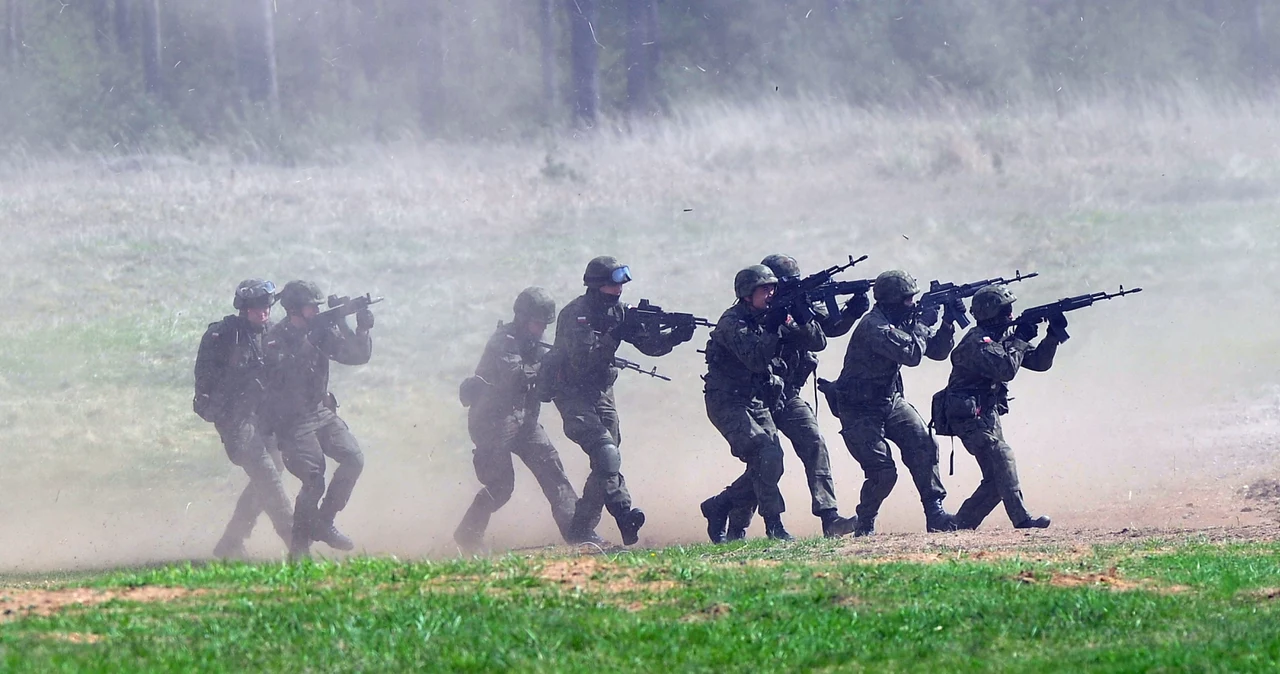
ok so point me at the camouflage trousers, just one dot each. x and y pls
(753, 439)
(497, 440)
(304, 447)
(591, 422)
(798, 424)
(248, 448)
(983, 437)
(867, 433)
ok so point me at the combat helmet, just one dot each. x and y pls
(747, 280)
(605, 270)
(989, 303)
(894, 286)
(254, 293)
(298, 294)
(535, 304)
(783, 266)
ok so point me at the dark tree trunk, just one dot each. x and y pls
(256, 52)
(585, 58)
(430, 68)
(13, 33)
(642, 61)
(546, 40)
(151, 46)
(124, 26)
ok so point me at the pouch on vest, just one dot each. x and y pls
(831, 393)
(938, 410)
(469, 390)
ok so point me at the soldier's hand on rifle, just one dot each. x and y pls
(953, 310)
(1027, 331)
(682, 333)
(857, 306)
(802, 311)
(364, 320)
(1058, 327)
(773, 319)
(929, 315)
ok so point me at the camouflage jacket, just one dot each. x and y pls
(872, 374)
(229, 371)
(796, 348)
(742, 357)
(986, 360)
(508, 370)
(589, 331)
(298, 366)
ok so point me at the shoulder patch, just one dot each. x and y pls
(986, 340)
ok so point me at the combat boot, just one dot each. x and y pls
(230, 549)
(936, 518)
(327, 533)
(866, 526)
(300, 545)
(834, 526)
(739, 520)
(629, 524)
(717, 518)
(773, 529)
(468, 540)
(1041, 522)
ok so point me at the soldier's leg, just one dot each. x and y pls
(340, 445)
(237, 440)
(537, 452)
(979, 441)
(1005, 471)
(906, 429)
(583, 425)
(797, 421)
(272, 497)
(305, 459)
(864, 436)
(495, 472)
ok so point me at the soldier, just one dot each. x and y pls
(579, 376)
(304, 414)
(977, 394)
(229, 370)
(744, 387)
(870, 403)
(503, 420)
(795, 418)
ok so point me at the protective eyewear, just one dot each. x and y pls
(621, 274)
(256, 291)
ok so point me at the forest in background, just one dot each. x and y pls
(273, 80)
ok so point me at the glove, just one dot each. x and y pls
(857, 306)
(953, 311)
(773, 319)
(1026, 331)
(929, 315)
(802, 311)
(1058, 327)
(682, 333)
(364, 319)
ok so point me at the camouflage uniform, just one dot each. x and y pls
(580, 381)
(304, 416)
(503, 420)
(872, 410)
(985, 361)
(228, 373)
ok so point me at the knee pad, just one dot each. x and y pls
(884, 478)
(498, 494)
(606, 459)
(355, 462)
(769, 459)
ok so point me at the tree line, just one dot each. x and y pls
(135, 73)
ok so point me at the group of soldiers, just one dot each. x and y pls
(265, 388)
(759, 357)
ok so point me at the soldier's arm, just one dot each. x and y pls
(648, 339)
(1040, 358)
(939, 346)
(834, 326)
(345, 346)
(991, 359)
(509, 369)
(898, 345)
(583, 347)
(808, 337)
(753, 347)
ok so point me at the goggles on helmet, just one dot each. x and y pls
(256, 291)
(621, 274)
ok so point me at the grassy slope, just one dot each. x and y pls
(758, 607)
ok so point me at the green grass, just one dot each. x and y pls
(754, 607)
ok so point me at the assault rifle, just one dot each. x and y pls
(1044, 312)
(942, 294)
(341, 307)
(816, 287)
(651, 314)
(624, 364)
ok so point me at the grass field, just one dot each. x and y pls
(1156, 605)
